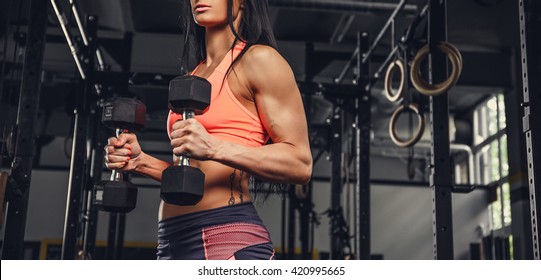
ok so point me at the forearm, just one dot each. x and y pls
(279, 162)
(150, 166)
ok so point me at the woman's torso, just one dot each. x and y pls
(241, 125)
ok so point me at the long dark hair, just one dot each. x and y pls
(255, 28)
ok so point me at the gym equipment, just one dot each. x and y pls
(436, 89)
(3, 185)
(24, 153)
(389, 79)
(530, 44)
(419, 131)
(183, 184)
(119, 196)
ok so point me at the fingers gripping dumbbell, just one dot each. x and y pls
(183, 184)
(124, 115)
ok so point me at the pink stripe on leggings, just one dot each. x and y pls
(221, 242)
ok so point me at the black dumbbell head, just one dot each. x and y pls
(182, 185)
(115, 196)
(124, 113)
(189, 92)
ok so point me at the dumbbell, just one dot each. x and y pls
(183, 184)
(123, 115)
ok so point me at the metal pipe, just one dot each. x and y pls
(471, 165)
(73, 50)
(391, 19)
(403, 40)
(342, 28)
(82, 31)
(339, 5)
(472, 170)
(342, 75)
(472, 176)
(397, 9)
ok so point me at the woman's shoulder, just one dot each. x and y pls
(262, 57)
(262, 53)
(262, 63)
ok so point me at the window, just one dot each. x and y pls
(490, 151)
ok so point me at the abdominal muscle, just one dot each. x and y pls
(217, 191)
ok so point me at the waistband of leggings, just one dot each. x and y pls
(238, 213)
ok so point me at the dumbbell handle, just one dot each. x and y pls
(117, 175)
(186, 114)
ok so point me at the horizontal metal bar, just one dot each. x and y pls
(339, 5)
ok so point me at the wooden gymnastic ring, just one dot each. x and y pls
(433, 90)
(389, 80)
(418, 133)
(456, 52)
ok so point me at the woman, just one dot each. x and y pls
(254, 99)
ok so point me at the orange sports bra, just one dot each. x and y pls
(226, 118)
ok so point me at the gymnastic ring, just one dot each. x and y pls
(300, 192)
(389, 80)
(457, 53)
(421, 85)
(433, 90)
(418, 133)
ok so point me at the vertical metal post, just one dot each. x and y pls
(291, 223)
(115, 236)
(440, 164)
(305, 224)
(111, 236)
(530, 46)
(363, 121)
(79, 157)
(336, 183)
(305, 203)
(90, 213)
(518, 176)
(21, 171)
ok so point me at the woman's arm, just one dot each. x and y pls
(272, 84)
(125, 153)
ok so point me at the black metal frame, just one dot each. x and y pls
(79, 165)
(530, 27)
(305, 204)
(363, 122)
(336, 184)
(441, 181)
(21, 171)
(115, 236)
(97, 133)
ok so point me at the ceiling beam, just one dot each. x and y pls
(349, 6)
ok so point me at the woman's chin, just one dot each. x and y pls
(204, 21)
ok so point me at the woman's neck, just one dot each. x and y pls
(218, 42)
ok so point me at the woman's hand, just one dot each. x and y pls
(189, 138)
(122, 152)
